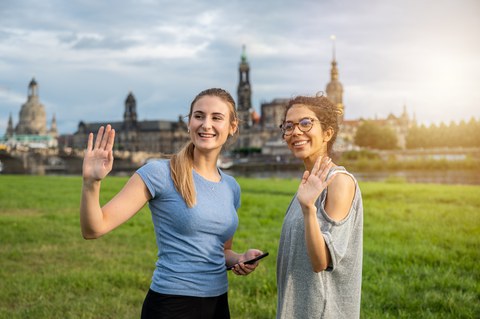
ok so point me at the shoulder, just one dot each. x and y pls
(156, 176)
(231, 181)
(156, 166)
(155, 172)
(342, 181)
(340, 194)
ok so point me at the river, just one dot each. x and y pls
(460, 177)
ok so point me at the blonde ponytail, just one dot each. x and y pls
(181, 166)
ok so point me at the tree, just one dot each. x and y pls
(413, 138)
(462, 134)
(372, 135)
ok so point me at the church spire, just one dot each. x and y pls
(10, 129)
(244, 91)
(244, 54)
(334, 87)
(130, 114)
(53, 127)
(33, 89)
(333, 46)
(334, 70)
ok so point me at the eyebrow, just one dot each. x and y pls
(303, 118)
(214, 113)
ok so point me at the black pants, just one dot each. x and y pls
(161, 306)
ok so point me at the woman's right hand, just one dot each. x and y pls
(98, 158)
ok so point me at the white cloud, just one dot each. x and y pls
(87, 57)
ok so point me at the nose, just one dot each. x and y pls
(207, 124)
(296, 130)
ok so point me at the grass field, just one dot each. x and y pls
(421, 251)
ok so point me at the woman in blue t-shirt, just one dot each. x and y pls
(194, 212)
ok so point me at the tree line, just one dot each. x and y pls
(463, 134)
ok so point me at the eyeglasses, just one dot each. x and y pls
(304, 125)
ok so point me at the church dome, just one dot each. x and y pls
(33, 118)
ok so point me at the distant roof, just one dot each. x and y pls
(145, 126)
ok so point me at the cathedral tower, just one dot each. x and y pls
(10, 131)
(33, 120)
(53, 127)
(334, 87)
(130, 114)
(244, 92)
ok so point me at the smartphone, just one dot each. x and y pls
(251, 261)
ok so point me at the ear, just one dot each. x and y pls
(327, 134)
(233, 127)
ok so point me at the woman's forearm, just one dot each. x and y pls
(231, 257)
(316, 246)
(91, 216)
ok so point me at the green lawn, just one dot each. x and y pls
(421, 251)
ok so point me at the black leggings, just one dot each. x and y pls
(161, 306)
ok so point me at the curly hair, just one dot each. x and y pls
(327, 113)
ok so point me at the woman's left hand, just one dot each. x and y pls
(241, 269)
(313, 183)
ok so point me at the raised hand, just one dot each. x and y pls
(313, 183)
(98, 158)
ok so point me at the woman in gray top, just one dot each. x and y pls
(319, 263)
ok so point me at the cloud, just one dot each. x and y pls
(87, 55)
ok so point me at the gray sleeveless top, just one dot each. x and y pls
(335, 292)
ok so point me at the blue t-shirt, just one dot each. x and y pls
(191, 259)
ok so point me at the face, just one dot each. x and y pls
(307, 146)
(210, 123)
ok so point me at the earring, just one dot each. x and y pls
(188, 130)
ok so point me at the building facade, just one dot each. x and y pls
(31, 129)
(258, 131)
(152, 136)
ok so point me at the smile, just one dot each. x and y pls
(300, 143)
(206, 135)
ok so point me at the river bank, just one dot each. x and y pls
(452, 177)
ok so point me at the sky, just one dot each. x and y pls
(87, 55)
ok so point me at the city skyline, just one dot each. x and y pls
(86, 58)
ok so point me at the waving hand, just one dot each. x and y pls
(98, 158)
(313, 183)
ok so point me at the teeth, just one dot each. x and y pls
(206, 135)
(300, 143)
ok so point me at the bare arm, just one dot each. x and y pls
(311, 186)
(340, 197)
(96, 221)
